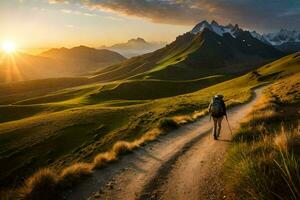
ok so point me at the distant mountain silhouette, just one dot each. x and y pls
(21, 66)
(56, 63)
(134, 47)
(84, 53)
(84, 59)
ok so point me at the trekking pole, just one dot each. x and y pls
(229, 125)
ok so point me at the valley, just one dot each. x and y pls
(66, 118)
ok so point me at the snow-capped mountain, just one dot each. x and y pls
(217, 28)
(284, 40)
(260, 37)
(282, 36)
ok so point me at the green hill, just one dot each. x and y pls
(12, 92)
(74, 124)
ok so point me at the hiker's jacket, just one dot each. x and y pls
(220, 114)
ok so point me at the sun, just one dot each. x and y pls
(9, 46)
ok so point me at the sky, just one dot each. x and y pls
(38, 24)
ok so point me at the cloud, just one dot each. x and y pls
(263, 15)
(259, 14)
(158, 11)
(75, 12)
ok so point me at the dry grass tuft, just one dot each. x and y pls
(183, 119)
(40, 185)
(103, 158)
(287, 140)
(261, 116)
(265, 109)
(123, 147)
(150, 136)
(198, 114)
(74, 173)
(168, 124)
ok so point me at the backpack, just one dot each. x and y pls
(216, 108)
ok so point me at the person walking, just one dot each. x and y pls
(217, 110)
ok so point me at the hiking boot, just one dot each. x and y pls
(215, 137)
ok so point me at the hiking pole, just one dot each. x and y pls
(228, 125)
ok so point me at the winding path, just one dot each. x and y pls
(184, 164)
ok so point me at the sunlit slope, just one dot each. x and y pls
(57, 131)
(19, 66)
(17, 91)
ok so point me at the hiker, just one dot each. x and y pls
(217, 110)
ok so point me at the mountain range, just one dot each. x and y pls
(208, 49)
(60, 62)
(84, 59)
(135, 47)
(284, 40)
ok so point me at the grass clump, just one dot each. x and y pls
(266, 111)
(41, 185)
(288, 141)
(248, 134)
(264, 169)
(73, 174)
(103, 159)
(168, 124)
(123, 147)
(182, 119)
(289, 165)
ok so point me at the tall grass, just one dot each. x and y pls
(264, 162)
(265, 169)
(289, 167)
(288, 141)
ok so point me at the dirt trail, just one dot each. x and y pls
(184, 164)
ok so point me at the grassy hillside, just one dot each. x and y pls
(12, 92)
(75, 124)
(264, 160)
